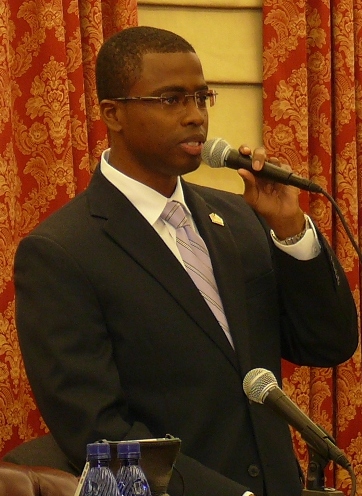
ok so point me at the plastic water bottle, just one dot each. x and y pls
(130, 477)
(97, 478)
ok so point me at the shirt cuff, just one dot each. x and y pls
(306, 248)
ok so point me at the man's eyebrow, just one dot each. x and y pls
(181, 89)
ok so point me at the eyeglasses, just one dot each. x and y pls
(176, 100)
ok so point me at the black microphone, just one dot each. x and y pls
(218, 153)
(260, 386)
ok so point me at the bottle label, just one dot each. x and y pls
(132, 481)
(99, 481)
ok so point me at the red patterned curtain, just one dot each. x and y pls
(51, 138)
(313, 120)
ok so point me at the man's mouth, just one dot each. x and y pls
(192, 147)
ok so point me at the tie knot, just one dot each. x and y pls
(174, 214)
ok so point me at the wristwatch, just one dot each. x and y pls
(292, 239)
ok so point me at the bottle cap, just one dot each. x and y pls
(99, 450)
(128, 449)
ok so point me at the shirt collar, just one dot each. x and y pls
(148, 202)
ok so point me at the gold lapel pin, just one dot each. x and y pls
(216, 219)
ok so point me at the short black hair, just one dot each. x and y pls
(119, 61)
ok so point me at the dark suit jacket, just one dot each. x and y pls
(118, 343)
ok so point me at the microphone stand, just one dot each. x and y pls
(316, 478)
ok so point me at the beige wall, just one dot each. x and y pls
(227, 35)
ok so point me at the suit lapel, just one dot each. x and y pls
(128, 228)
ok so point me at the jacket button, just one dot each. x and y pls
(253, 470)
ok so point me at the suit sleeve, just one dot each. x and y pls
(319, 324)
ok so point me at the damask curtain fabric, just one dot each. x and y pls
(313, 120)
(51, 138)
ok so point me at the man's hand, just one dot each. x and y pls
(277, 203)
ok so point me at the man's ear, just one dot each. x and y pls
(111, 114)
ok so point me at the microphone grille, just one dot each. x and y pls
(214, 151)
(257, 384)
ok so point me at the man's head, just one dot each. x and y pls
(154, 100)
(119, 61)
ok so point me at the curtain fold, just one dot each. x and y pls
(312, 120)
(51, 139)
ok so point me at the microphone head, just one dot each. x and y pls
(214, 152)
(257, 384)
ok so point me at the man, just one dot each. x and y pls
(118, 341)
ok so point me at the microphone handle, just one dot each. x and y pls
(313, 435)
(236, 160)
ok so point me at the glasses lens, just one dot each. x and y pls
(205, 99)
(172, 99)
(177, 100)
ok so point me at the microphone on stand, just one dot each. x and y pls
(260, 386)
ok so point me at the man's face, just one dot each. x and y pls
(159, 142)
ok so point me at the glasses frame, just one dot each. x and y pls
(162, 98)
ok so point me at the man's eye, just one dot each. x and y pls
(171, 99)
(202, 98)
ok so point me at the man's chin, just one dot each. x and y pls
(190, 168)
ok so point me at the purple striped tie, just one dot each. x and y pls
(197, 261)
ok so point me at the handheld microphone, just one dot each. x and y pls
(218, 153)
(260, 386)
